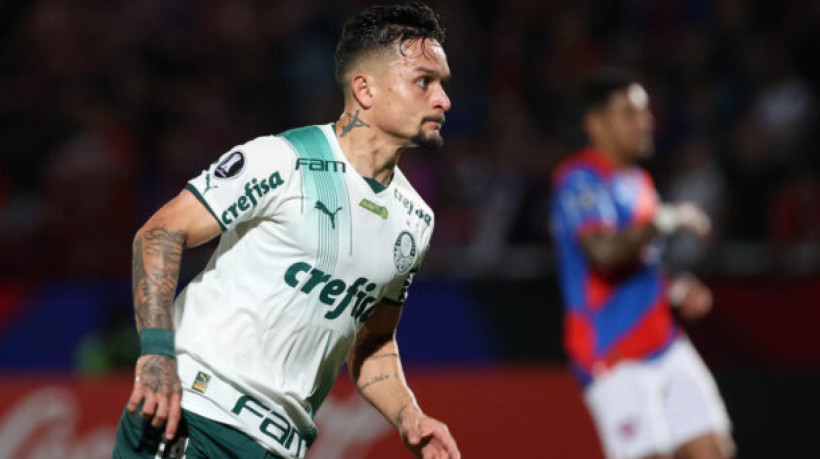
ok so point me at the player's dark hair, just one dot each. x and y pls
(379, 26)
(601, 85)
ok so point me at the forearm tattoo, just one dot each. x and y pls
(155, 271)
(382, 356)
(397, 421)
(159, 374)
(377, 380)
(349, 122)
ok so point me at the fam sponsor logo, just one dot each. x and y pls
(306, 278)
(255, 189)
(320, 165)
(412, 208)
(274, 425)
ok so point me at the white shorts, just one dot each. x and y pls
(653, 407)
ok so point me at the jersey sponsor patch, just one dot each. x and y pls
(306, 278)
(375, 208)
(201, 382)
(254, 190)
(404, 252)
(321, 165)
(412, 208)
(231, 166)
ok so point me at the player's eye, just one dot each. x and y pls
(423, 81)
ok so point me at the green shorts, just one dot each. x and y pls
(197, 438)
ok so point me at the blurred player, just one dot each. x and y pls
(645, 385)
(320, 236)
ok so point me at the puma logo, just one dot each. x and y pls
(321, 206)
(208, 185)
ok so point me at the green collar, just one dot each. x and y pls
(376, 185)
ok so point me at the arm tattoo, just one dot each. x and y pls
(397, 421)
(382, 356)
(159, 374)
(155, 271)
(352, 121)
(377, 380)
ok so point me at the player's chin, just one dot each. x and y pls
(429, 140)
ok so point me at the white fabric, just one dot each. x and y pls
(654, 407)
(256, 319)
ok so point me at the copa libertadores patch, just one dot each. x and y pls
(404, 252)
(231, 166)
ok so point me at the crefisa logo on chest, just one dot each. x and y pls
(404, 252)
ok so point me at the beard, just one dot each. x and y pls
(432, 141)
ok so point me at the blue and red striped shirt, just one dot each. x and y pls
(616, 316)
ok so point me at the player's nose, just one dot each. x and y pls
(440, 100)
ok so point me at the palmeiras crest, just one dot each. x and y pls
(404, 252)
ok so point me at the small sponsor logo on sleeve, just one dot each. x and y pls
(231, 166)
(254, 191)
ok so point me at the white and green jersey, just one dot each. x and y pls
(308, 248)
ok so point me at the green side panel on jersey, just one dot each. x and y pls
(327, 187)
(324, 385)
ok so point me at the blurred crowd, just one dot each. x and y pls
(108, 107)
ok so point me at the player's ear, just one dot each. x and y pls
(363, 90)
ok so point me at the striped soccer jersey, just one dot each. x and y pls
(623, 315)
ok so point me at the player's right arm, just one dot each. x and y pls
(243, 184)
(157, 252)
(608, 250)
(589, 213)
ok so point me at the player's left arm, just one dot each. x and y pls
(375, 367)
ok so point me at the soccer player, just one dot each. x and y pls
(649, 392)
(320, 235)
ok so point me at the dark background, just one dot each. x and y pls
(108, 107)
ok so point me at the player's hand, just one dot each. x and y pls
(694, 219)
(426, 437)
(157, 383)
(691, 296)
(686, 216)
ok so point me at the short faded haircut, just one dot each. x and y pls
(378, 27)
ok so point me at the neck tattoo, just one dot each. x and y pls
(353, 122)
